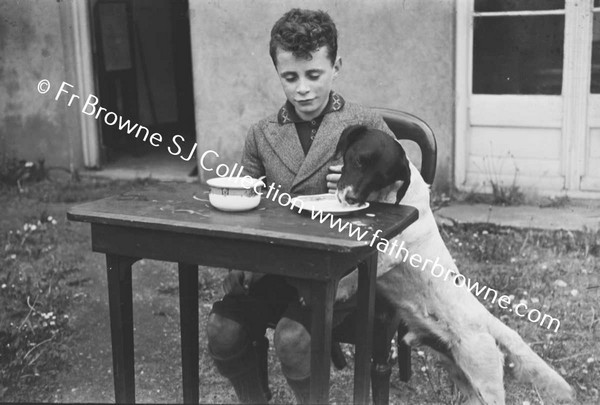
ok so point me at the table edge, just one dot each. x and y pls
(320, 243)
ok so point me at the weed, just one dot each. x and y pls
(556, 202)
(473, 197)
(500, 193)
(439, 201)
(507, 195)
(14, 172)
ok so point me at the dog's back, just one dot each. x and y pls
(420, 278)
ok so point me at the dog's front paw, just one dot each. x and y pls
(347, 287)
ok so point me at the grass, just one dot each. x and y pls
(39, 268)
(49, 282)
(555, 272)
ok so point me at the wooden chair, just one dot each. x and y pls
(406, 127)
(409, 127)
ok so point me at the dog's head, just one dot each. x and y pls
(372, 160)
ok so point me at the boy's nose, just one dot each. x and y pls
(302, 87)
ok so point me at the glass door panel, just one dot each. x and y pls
(518, 55)
(595, 82)
(518, 5)
(518, 47)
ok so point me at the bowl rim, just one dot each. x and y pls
(234, 182)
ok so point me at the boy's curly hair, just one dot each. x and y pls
(302, 32)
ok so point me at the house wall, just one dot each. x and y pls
(34, 125)
(396, 54)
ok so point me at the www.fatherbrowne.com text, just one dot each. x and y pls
(91, 107)
(398, 250)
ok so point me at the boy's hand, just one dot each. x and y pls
(347, 287)
(333, 177)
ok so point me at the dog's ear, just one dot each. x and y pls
(402, 169)
(403, 164)
(348, 137)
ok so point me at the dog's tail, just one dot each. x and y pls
(528, 366)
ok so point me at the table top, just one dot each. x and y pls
(184, 208)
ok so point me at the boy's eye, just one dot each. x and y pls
(290, 79)
(314, 77)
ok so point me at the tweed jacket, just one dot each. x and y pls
(274, 150)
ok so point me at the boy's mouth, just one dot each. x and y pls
(305, 102)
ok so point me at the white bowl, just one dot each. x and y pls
(234, 193)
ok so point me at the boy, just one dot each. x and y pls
(294, 150)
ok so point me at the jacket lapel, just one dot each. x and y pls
(285, 143)
(322, 148)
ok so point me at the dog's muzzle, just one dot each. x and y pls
(347, 196)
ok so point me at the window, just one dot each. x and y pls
(595, 85)
(518, 46)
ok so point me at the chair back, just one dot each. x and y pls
(413, 128)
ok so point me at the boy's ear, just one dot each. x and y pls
(347, 138)
(337, 66)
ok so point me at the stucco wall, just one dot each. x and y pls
(396, 54)
(33, 125)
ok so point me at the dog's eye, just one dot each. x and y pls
(363, 160)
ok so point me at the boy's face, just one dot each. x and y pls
(307, 83)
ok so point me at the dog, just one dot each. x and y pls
(471, 342)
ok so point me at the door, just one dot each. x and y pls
(143, 68)
(527, 114)
(116, 69)
(591, 177)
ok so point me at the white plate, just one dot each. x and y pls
(327, 204)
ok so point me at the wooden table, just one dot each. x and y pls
(168, 222)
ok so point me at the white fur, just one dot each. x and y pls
(434, 306)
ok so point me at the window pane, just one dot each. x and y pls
(595, 86)
(518, 5)
(518, 55)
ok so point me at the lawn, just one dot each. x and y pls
(54, 338)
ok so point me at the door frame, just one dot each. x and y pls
(84, 71)
(575, 94)
(84, 46)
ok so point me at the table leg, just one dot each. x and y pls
(367, 271)
(188, 310)
(322, 297)
(118, 270)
